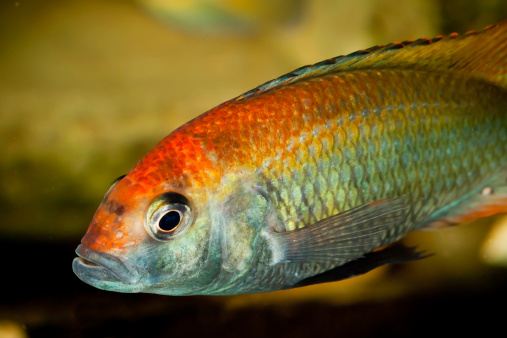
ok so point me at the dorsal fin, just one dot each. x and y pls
(481, 54)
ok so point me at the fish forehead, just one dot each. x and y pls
(117, 225)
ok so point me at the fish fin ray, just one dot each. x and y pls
(393, 254)
(481, 54)
(347, 235)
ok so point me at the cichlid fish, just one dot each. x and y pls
(310, 177)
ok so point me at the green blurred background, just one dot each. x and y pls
(87, 87)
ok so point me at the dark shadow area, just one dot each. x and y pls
(42, 293)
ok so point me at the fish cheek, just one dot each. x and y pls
(244, 217)
(220, 247)
(185, 265)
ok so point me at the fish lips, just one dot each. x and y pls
(102, 270)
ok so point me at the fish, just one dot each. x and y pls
(314, 176)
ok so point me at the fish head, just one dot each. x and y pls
(162, 231)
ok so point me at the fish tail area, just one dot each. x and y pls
(489, 200)
(480, 54)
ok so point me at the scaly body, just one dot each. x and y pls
(305, 174)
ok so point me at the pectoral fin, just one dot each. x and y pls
(342, 237)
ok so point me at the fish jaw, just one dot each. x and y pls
(106, 271)
(107, 255)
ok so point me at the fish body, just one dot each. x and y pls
(311, 172)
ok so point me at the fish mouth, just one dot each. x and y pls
(106, 271)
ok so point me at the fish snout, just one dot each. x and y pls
(92, 266)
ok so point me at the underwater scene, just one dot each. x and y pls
(89, 88)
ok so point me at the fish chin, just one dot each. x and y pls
(107, 272)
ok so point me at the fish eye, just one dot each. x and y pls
(169, 215)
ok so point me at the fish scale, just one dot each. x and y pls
(398, 144)
(400, 174)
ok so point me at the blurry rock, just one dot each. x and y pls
(215, 17)
(494, 249)
(9, 329)
(464, 15)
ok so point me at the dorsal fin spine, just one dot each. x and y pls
(486, 58)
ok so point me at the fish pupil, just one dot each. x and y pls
(169, 221)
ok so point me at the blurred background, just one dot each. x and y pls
(87, 87)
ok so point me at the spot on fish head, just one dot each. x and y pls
(113, 207)
(117, 223)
